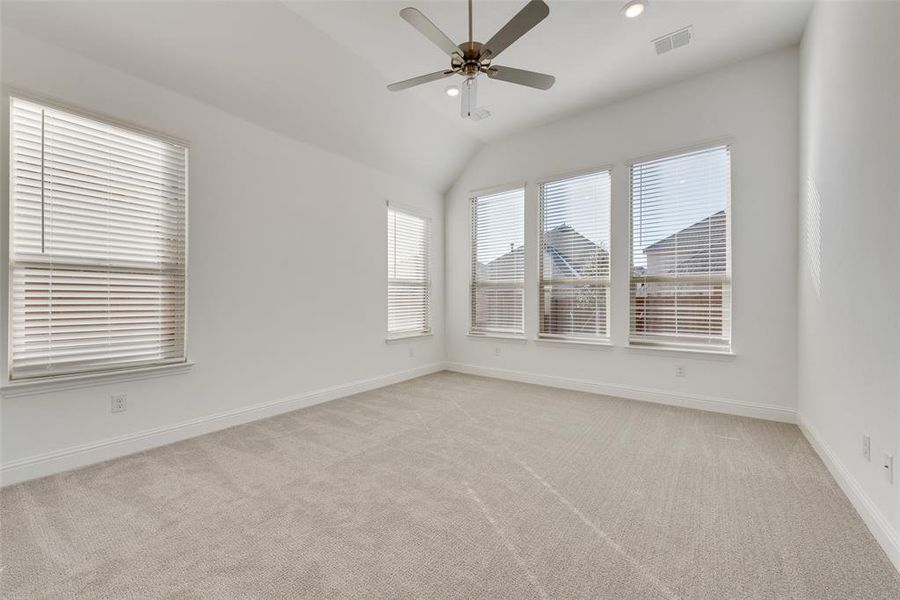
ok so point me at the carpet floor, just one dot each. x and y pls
(452, 486)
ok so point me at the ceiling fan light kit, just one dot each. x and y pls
(471, 58)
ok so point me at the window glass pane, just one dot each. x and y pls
(498, 262)
(97, 249)
(575, 256)
(408, 274)
(680, 272)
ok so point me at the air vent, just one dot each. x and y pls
(671, 41)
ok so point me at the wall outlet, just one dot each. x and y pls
(118, 403)
(889, 467)
(497, 351)
(412, 352)
(867, 447)
(680, 372)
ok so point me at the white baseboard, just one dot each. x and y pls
(878, 524)
(720, 405)
(79, 456)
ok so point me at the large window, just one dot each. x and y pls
(498, 263)
(574, 261)
(680, 254)
(97, 245)
(409, 285)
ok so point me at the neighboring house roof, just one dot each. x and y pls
(571, 254)
(576, 254)
(507, 265)
(698, 248)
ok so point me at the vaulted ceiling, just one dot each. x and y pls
(317, 71)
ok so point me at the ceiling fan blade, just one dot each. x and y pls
(415, 18)
(522, 77)
(533, 13)
(408, 83)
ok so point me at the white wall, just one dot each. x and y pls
(849, 278)
(286, 274)
(756, 104)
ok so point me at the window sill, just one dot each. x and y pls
(699, 353)
(407, 337)
(601, 344)
(61, 383)
(511, 337)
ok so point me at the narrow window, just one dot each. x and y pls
(409, 283)
(498, 263)
(680, 254)
(574, 261)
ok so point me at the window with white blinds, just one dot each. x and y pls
(97, 245)
(409, 283)
(574, 260)
(498, 263)
(680, 255)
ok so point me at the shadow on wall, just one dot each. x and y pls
(812, 232)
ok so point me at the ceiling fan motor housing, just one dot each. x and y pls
(470, 62)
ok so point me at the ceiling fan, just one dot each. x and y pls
(472, 58)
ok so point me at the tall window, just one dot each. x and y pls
(498, 262)
(574, 283)
(409, 284)
(680, 254)
(97, 245)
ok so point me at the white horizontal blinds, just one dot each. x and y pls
(574, 283)
(409, 284)
(97, 247)
(680, 271)
(498, 262)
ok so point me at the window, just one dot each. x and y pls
(574, 261)
(498, 262)
(680, 254)
(409, 284)
(97, 245)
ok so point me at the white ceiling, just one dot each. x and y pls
(317, 71)
(264, 63)
(596, 54)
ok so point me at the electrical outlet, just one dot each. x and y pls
(679, 371)
(497, 351)
(889, 467)
(867, 447)
(412, 352)
(118, 403)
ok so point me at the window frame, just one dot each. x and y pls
(413, 212)
(582, 340)
(728, 277)
(473, 198)
(29, 384)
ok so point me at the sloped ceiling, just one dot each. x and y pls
(262, 62)
(317, 71)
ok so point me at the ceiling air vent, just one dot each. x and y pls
(673, 40)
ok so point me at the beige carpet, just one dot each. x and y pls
(452, 486)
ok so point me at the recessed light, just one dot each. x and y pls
(452, 91)
(634, 8)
